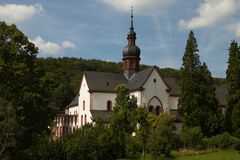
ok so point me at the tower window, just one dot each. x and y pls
(109, 105)
(154, 80)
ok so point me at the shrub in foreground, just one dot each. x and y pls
(223, 141)
(191, 137)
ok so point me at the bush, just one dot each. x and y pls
(133, 147)
(161, 135)
(192, 137)
(49, 149)
(223, 141)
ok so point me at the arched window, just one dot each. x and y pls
(85, 119)
(81, 120)
(109, 105)
(84, 105)
(150, 109)
(157, 110)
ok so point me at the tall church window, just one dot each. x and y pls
(84, 105)
(109, 105)
(85, 119)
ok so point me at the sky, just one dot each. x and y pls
(97, 29)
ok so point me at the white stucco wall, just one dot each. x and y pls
(99, 100)
(138, 95)
(72, 110)
(157, 89)
(84, 95)
(173, 102)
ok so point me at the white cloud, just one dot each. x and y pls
(210, 12)
(51, 47)
(140, 6)
(235, 28)
(13, 13)
(68, 44)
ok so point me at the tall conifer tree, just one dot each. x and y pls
(233, 84)
(189, 82)
(198, 104)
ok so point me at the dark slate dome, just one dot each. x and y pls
(131, 51)
(131, 33)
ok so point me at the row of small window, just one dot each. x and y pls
(109, 105)
(157, 110)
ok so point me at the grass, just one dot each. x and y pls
(209, 155)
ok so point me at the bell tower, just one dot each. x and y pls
(131, 53)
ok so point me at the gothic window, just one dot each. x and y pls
(150, 109)
(109, 105)
(85, 119)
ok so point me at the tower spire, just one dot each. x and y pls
(131, 52)
(132, 28)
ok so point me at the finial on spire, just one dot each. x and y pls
(132, 19)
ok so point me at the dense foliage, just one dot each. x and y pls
(232, 120)
(22, 87)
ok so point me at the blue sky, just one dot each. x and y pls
(98, 28)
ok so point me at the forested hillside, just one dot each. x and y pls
(64, 75)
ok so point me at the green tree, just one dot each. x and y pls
(47, 148)
(144, 126)
(8, 128)
(211, 121)
(236, 120)
(233, 84)
(123, 119)
(189, 82)
(20, 83)
(90, 142)
(198, 104)
(161, 135)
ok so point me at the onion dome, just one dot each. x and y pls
(131, 50)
